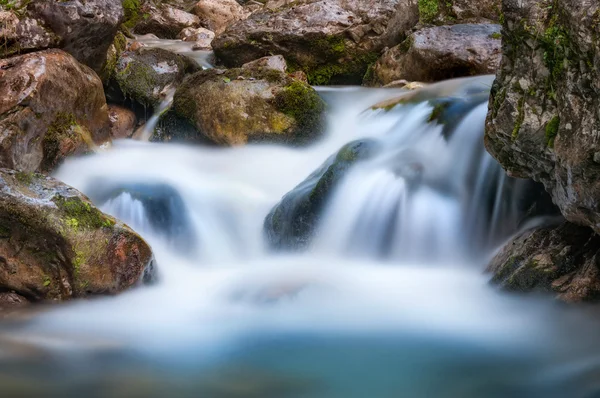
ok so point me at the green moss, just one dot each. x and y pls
(301, 102)
(64, 128)
(428, 10)
(347, 71)
(47, 281)
(132, 12)
(80, 214)
(552, 130)
(496, 36)
(24, 177)
(520, 118)
(498, 101)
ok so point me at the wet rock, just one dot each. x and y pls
(235, 106)
(84, 28)
(217, 15)
(332, 41)
(21, 34)
(292, 222)
(543, 117)
(51, 107)
(11, 300)
(113, 53)
(275, 62)
(144, 74)
(440, 53)
(122, 122)
(562, 260)
(163, 21)
(55, 245)
(201, 36)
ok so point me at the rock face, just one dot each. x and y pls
(55, 245)
(440, 53)
(292, 223)
(449, 12)
(144, 74)
(255, 104)
(332, 41)
(217, 15)
(562, 260)
(163, 21)
(544, 119)
(85, 29)
(51, 106)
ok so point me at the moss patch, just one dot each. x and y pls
(301, 102)
(132, 12)
(80, 214)
(428, 10)
(552, 130)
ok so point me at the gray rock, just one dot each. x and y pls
(163, 21)
(217, 15)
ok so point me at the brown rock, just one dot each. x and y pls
(275, 62)
(201, 36)
(51, 107)
(164, 21)
(55, 245)
(440, 53)
(122, 122)
(217, 15)
(11, 300)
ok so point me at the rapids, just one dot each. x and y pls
(389, 300)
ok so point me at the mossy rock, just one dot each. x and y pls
(57, 245)
(292, 222)
(237, 106)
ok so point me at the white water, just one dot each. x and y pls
(228, 318)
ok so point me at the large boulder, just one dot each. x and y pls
(55, 245)
(161, 20)
(85, 29)
(217, 15)
(144, 74)
(440, 53)
(562, 260)
(292, 223)
(232, 107)
(51, 106)
(332, 41)
(544, 118)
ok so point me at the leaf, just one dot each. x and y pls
(227, 80)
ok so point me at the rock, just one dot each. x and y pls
(144, 74)
(84, 28)
(21, 34)
(11, 300)
(239, 105)
(440, 53)
(217, 15)
(449, 12)
(163, 21)
(112, 56)
(291, 224)
(561, 260)
(55, 245)
(202, 37)
(122, 121)
(51, 107)
(275, 62)
(332, 41)
(543, 118)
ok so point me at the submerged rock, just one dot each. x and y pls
(51, 107)
(163, 20)
(543, 120)
(84, 29)
(55, 245)
(562, 260)
(217, 15)
(144, 74)
(236, 106)
(292, 222)
(440, 53)
(332, 41)
(201, 36)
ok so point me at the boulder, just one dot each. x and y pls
(561, 260)
(449, 12)
(163, 20)
(217, 15)
(201, 36)
(544, 115)
(332, 41)
(55, 245)
(122, 122)
(84, 28)
(291, 224)
(144, 74)
(440, 53)
(232, 107)
(20, 34)
(51, 107)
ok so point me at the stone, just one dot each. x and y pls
(51, 106)
(560, 260)
(233, 107)
(275, 62)
(459, 11)
(201, 36)
(55, 245)
(163, 21)
(122, 122)
(332, 41)
(440, 53)
(217, 15)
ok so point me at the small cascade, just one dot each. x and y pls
(145, 132)
(202, 57)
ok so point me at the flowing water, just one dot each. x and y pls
(389, 300)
